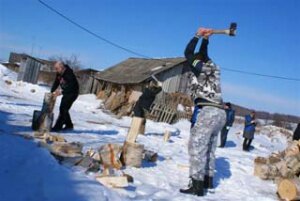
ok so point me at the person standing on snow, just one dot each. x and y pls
(296, 134)
(205, 89)
(230, 115)
(69, 88)
(249, 130)
(147, 98)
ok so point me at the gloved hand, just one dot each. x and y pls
(204, 31)
(57, 92)
(159, 84)
(228, 127)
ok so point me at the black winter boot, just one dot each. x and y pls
(195, 188)
(208, 182)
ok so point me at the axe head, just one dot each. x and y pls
(232, 29)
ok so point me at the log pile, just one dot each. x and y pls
(109, 158)
(284, 168)
(121, 101)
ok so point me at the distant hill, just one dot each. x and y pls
(242, 111)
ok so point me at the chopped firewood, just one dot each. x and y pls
(113, 181)
(289, 189)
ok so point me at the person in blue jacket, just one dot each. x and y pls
(230, 115)
(249, 130)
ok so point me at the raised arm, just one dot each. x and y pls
(55, 84)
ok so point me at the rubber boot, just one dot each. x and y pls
(208, 182)
(196, 188)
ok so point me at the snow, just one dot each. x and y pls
(28, 172)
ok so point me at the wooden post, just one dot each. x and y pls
(167, 135)
(289, 189)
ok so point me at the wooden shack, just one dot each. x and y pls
(122, 84)
(88, 84)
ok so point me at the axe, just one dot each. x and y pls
(231, 31)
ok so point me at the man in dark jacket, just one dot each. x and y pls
(146, 99)
(296, 135)
(230, 115)
(249, 130)
(69, 88)
(143, 104)
(205, 89)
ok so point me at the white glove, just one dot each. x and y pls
(227, 127)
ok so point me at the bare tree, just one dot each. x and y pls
(72, 61)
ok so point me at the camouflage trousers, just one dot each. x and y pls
(203, 141)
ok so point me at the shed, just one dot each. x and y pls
(134, 74)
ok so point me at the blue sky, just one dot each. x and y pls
(267, 40)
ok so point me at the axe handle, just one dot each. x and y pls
(221, 31)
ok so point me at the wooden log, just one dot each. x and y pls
(134, 96)
(86, 162)
(55, 138)
(142, 127)
(260, 160)
(274, 159)
(283, 169)
(293, 163)
(94, 154)
(292, 149)
(48, 137)
(289, 189)
(109, 101)
(46, 122)
(266, 171)
(134, 130)
(167, 135)
(72, 149)
(110, 155)
(132, 154)
(42, 120)
(113, 181)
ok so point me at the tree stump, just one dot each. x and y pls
(132, 154)
(289, 189)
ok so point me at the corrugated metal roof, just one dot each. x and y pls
(136, 70)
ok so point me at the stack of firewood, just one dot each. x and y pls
(284, 168)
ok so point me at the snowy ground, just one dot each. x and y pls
(28, 172)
